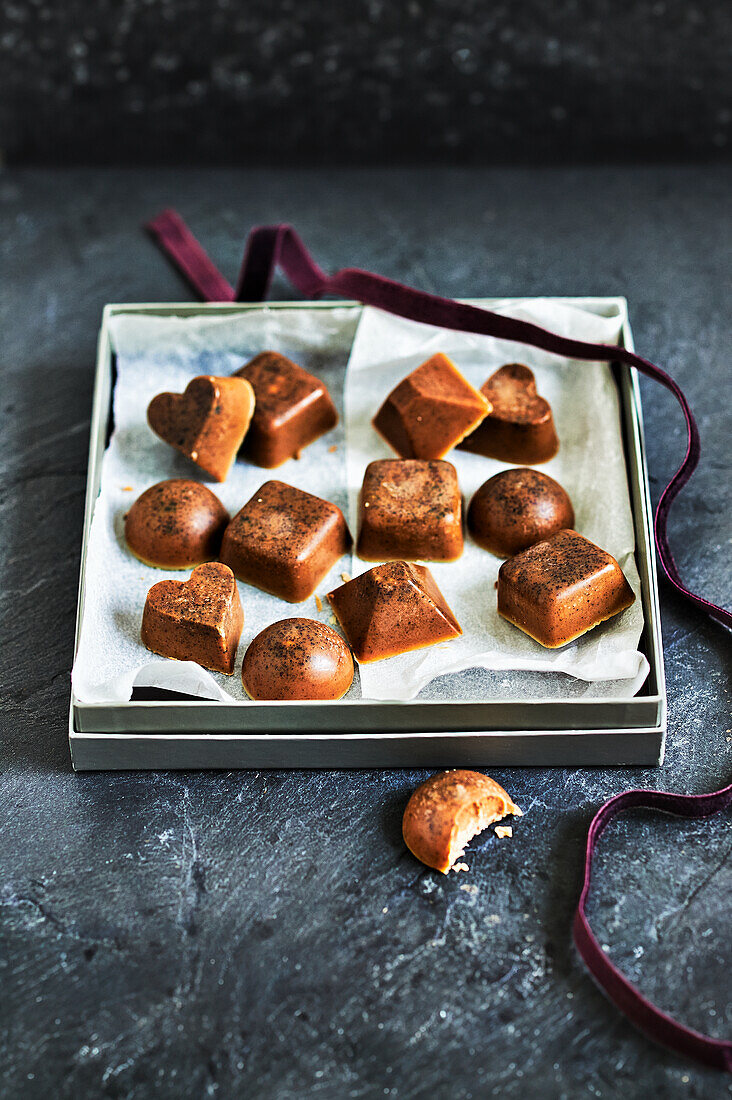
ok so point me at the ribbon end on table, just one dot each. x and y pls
(175, 240)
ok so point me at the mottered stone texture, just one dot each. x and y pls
(314, 81)
(266, 934)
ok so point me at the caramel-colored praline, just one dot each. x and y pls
(431, 410)
(297, 659)
(391, 609)
(207, 422)
(176, 524)
(199, 620)
(516, 508)
(284, 541)
(448, 810)
(559, 589)
(293, 408)
(520, 425)
(410, 509)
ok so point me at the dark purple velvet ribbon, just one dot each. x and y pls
(658, 1025)
(175, 239)
(271, 246)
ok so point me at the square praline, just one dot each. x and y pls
(285, 541)
(292, 409)
(411, 510)
(559, 589)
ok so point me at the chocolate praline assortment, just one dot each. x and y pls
(293, 408)
(520, 426)
(559, 589)
(297, 659)
(199, 620)
(207, 422)
(176, 524)
(516, 508)
(431, 410)
(391, 609)
(284, 541)
(410, 509)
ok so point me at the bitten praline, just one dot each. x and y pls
(176, 524)
(516, 508)
(447, 810)
(297, 659)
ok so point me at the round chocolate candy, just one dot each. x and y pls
(516, 509)
(176, 524)
(297, 659)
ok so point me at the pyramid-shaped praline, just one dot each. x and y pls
(431, 410)
(393, 608)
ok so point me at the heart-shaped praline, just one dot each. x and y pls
(520, 426)
(207, 422)
(199, 620)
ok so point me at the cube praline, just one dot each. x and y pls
(560, 588)
(292, 409)
(285, 541)
(410, 509)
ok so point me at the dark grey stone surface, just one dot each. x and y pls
(267, 934)
(202, 81)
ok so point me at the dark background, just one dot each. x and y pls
(364, 81)
(266, 934)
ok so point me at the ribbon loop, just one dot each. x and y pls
(658, 1025)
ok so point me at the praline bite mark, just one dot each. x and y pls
(284, 541)
(207, 422)
(431, 410)
(516, 508)
(292, 409)
(297, 659)
(410, 509)
(391, 609)
(176, 524)
(199, 620)
(520, 425)
(447, 810)
(559, 589)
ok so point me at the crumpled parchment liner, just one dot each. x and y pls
(164, 353)
(590, 465)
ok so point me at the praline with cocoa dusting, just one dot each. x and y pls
(516, 508)
(297, 659)
(176, 524)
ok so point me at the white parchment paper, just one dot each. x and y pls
(590, 465)
(164, 353)
(155, 354)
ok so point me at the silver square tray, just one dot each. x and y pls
(182, 733)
